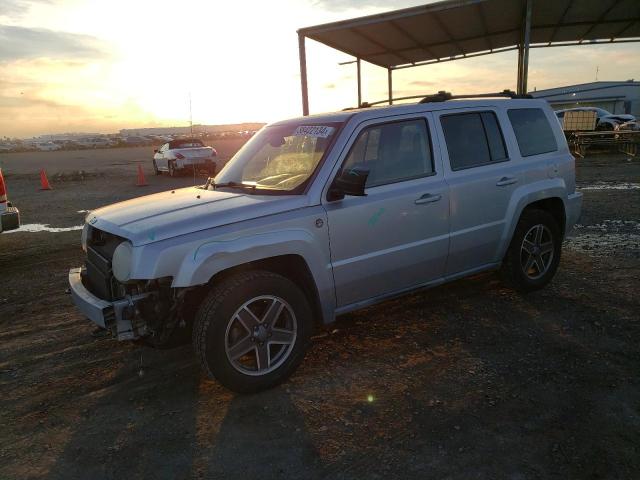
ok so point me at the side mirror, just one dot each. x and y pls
(350, 182)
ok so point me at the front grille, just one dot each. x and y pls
(99, 277)
(99, 274)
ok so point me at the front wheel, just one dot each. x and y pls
(172, 168)
(534, 253)
(252, 330)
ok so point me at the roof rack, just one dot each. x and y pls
(443, 96)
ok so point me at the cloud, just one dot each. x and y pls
(423, 83)
(17, 43)
(339, 5)
(19, 8)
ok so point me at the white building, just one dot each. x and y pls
(615, 97)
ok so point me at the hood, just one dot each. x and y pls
(622, 117)
(169, 214)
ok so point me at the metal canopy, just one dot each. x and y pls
(456, 29)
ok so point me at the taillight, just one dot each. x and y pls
(179, 156)
(3, 189)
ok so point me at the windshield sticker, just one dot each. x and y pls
(319, 131)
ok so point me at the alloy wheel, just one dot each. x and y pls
(537, 251)
(260, 335)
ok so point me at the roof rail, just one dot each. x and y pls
(443, 96)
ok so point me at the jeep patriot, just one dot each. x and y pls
(325, 214)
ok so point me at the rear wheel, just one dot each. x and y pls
(172, 168)
(252, 331)
(534, 253)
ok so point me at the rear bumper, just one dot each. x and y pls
(574, 208)
(9, 219)
(195, 162)
(117, 316)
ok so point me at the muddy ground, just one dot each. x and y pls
(467, 380)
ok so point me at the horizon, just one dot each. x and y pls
(64, 68)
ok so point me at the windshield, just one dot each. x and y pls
(279, 158)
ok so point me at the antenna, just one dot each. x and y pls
(190, 115)
(597, 70)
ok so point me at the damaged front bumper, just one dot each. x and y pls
(118, 316)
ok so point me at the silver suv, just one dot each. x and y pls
(322, 215)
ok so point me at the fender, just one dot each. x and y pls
(523, 196)
(213, 256)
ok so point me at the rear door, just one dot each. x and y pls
(396, 236)
(481, 178)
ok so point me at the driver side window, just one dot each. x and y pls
(392, 152)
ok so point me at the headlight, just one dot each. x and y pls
(121, 263)
(84, 236)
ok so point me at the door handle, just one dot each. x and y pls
(504, 181)
(427, 198)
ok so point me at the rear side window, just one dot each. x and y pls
(473, 139)
(533, 132)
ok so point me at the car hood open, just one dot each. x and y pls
(169, 214)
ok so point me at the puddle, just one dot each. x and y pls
(610, 186)
(600, 244)
(39, 227)
(610, 237)
(610, 226)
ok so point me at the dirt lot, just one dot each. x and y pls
(468, 380)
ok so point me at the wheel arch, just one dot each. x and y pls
(291, 266)
(549, 196)
(292, 252)
(555, 206)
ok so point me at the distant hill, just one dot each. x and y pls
(232, 127)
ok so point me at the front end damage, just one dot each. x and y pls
(132, 310)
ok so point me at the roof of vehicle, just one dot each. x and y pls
(580, 108)
(178, 141)
(408, 108)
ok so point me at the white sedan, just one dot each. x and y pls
(182, 154)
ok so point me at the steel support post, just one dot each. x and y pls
(303, 75)
(359, 83)
(526, 40)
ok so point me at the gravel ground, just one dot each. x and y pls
(467, 380)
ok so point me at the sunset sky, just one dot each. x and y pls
(99, 66)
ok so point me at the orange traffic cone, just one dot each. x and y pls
(141, 181)
(44, 183)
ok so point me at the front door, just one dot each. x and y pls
(395, 237)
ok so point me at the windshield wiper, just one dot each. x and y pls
(234, 184)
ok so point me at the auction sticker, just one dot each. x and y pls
(320, 131)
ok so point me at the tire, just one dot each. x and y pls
(534, 253)
(172, 168)
(155, 168)
(224, 323)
